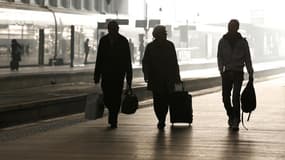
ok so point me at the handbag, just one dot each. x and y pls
(130, 102)
(94, 107)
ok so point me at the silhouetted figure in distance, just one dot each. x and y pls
(86, 50)
(16, 55)
(113, 65)
(161, 72)
(141, 48)
(233, 55)
(132, 50)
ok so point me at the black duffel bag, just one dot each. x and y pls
(130, 102)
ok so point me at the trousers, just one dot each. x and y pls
(231, 86)
(161, 105)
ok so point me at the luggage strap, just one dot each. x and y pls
(243, 120)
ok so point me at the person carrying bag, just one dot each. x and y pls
(161, 72)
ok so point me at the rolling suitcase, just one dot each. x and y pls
(181, 107)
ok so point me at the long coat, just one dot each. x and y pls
(113, 64)
(16, 51)
(160, 66)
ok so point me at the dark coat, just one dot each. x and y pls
(86, 47)
(233, 54)
(16, 51)
(113, 64)
(160, 66)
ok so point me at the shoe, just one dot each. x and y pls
(235, 125)
(230, 122)
(235, 128)
(230, 116)
(160, 126)
(113, 126)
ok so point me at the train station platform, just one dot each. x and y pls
(137, 138)
(28, 96)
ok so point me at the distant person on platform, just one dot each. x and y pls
(16, 55)
(132, 50)
(86, 50)
(161, 72)
(141, 49)
(233, 55)
(113, 65)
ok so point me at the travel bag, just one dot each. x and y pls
(94, 107)
(181, 107)
(130, 102)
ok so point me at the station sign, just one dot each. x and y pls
(141, 23)
(119, 21)
(154, 22)
(151, 23)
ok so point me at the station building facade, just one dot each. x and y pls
(102, 6)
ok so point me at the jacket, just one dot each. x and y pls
(113, 61)
(160, 66)
(234, 54)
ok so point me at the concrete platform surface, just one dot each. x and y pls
(137, 137)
